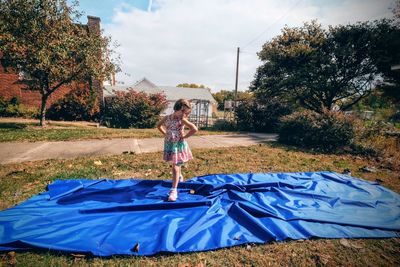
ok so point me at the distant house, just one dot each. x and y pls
(203, 103)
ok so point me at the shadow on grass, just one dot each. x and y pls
(12, 125)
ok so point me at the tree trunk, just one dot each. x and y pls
(43, 111)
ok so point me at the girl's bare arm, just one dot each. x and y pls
(192, 128)
(160, 125)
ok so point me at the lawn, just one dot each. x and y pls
(21, 181)
(17, 131)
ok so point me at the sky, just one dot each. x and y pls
(195, 41)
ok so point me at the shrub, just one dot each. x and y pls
(133, 109)
(253, 116)
(223, 125)
(3, 105)
(244, 116)
(395, 117)
(372, 139)
(9, 108)
(327, 131)
(14, 108)
(79, 104)
(28, 112)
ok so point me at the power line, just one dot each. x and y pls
(269, 27)
(249, 52)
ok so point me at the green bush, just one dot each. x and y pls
(223, 125)
(326, 132)
(395, 117)
(3, 106)
(79, 104)
(9, 108)
(14, 108)
(253, 116)
(133, 109)
(28, 112)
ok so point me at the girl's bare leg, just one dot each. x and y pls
(173, 193)
(176, 173)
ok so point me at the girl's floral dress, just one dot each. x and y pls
(176, 149)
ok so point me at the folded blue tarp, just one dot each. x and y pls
(108, 217)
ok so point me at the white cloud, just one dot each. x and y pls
(195, 40)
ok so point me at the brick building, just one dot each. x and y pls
(10, 82)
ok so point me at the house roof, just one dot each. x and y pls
(172, 93)
(144, 84)
(175, 93)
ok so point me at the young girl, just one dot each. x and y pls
(176, 149)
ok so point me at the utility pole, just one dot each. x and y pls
(237, 77)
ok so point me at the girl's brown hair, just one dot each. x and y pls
(182, 103)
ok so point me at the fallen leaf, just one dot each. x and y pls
(345, 242)
(324, 259)
(355, 245)
(78, 255)
(12, 261)
(97, 162)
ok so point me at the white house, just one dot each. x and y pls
(203, 103)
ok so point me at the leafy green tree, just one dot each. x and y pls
(42, 39)
(386, 53)
(190, 85)
(223, 95)
(319, 68)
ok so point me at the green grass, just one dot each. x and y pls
(18, 182)
(32, 132)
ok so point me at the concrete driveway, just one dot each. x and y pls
(25, 151)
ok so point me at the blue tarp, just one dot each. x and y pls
(108, 217)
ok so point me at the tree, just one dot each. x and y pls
(42, 39)
(223, 95)
(386, 53)
(319, 68)
(190, 85)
